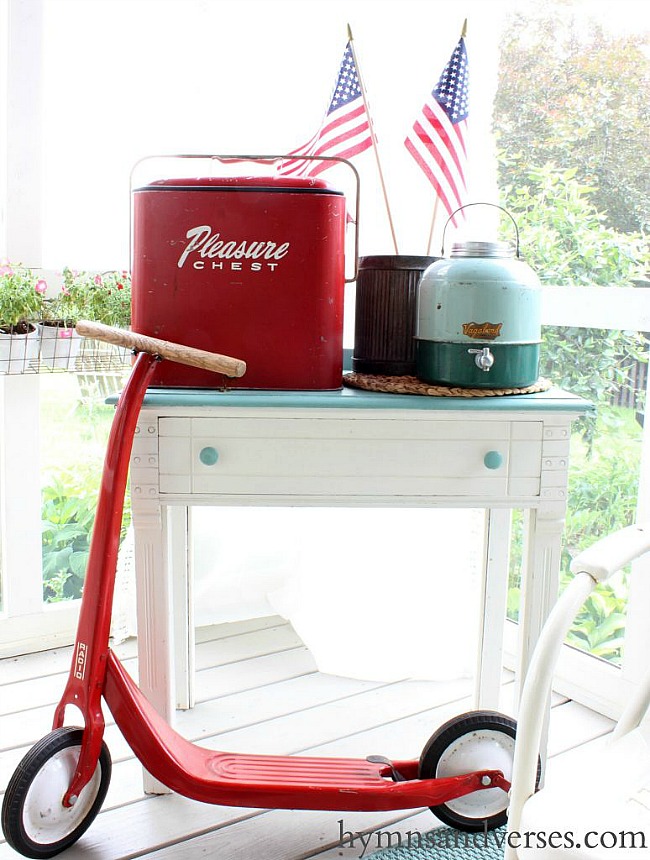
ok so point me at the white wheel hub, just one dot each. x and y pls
(45, 819)
(484, 749)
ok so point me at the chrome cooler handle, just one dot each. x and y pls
(466, 206)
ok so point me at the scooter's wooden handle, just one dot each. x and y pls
(164, 348)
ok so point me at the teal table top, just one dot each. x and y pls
(554, 400)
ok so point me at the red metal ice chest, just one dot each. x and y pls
(251, 267)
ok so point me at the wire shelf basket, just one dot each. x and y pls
(49, 349)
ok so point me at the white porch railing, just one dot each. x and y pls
(27, 623)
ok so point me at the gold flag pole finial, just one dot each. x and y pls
(349, 33)
(462, 35)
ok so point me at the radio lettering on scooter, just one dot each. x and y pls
(207, 244)
(80, 661)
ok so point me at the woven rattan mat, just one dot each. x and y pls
(412, 385)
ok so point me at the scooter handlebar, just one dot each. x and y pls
(179, 353)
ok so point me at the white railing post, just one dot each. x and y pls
(612, 308)
(638, 605)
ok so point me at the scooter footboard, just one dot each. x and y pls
(261, 781)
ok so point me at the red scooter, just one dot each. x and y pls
(58, 788)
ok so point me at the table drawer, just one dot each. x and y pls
(355, 457)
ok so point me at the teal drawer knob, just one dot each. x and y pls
(493, 460)
(208, 456)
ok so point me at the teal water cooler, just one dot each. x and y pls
(479, 319)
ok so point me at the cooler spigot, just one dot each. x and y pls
(483, 358)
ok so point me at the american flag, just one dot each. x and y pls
(345, 130)
(437, 139)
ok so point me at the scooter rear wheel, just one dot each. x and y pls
(34, 820)
(479, 740)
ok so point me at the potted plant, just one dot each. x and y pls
(21, 302)
(105, 298)
(59, 342)
(102, 297)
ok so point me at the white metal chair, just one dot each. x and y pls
(603, 809)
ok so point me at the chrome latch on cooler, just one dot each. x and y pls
(483, 358)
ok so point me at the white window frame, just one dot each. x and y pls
(580, 676)
(27, 624)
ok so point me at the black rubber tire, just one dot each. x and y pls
(473, 727)
(19, 829)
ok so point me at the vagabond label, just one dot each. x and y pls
(482, 331)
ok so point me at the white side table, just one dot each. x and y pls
(200, 447)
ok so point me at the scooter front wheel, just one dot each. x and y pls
(34, 820)
(479, 740)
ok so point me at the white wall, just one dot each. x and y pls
(125, 80)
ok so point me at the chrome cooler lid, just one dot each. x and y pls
(482, 249)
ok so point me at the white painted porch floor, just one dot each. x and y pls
(259, 691)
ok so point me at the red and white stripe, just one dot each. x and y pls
(439, 148)
(345, 133)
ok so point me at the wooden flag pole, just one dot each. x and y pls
(433, 221)
(373, 139)
(463, 34)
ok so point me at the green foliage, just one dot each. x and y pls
(593, 363)
(602, 490)
(566, 242)
(565, 238)
(102, 297)
(602, 498)
(573, 95)
(603, 480)
(21, 298)
(600, 625)
(69, 502)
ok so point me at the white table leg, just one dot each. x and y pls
(180, 567)
(492, 610)
(539, 581)
(539, 590)
(155, 641)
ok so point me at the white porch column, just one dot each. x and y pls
(24, 133)
(20, 504)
